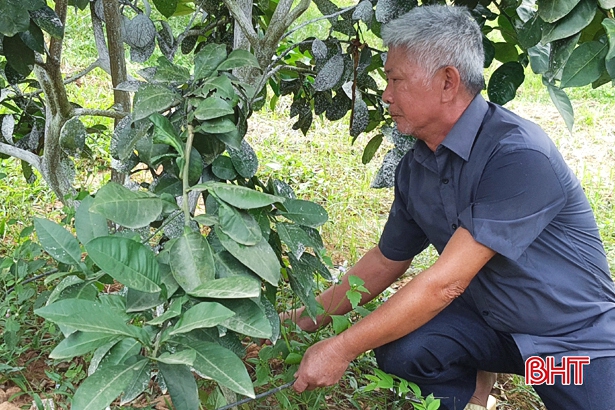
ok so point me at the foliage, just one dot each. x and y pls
(185, 305)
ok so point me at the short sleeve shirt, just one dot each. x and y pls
(501, 178)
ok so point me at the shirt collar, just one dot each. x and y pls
(460, 138)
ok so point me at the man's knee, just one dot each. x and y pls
(411, 361)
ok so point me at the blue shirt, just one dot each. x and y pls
(501, 178)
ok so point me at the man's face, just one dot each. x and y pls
(413, 103)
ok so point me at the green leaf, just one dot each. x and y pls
(234, 287)
(330, 74)
(195, 168)
(30, 4)
(228, 266)
(609, 26)
(530, 32)
(260, 258)
(80, 343)
(204, 314)
(239, 196)
(221, 84)
(585, 65)
(89, 225)
(607, 4)
(213, 107)
(57, 242)
(562, 103)
(505, 52)
(174, 310)
(244, 159)
(165, 133)
(220, 125)
(34, 38)
(339, 323)
(138, 384)
(207, 59)
(48, 20)
(192, 261)
(302, 283)
(151, 98)
(137, 301)
(120, 353)
(182, 386)
(560, 53)
(19, 56)
(305, 213)
(72, 136)
(238, 58)
(132, 209)
(206, 219)
(579, 18)
(167, 72)
(504, 82)
(87, 316)
(271, 314)
(13, 18)
(295, 238)
(553, 10)
(130, 263)
(249, 318)
(223, 168)
(371, 148)
(101, 388)
(222, 365)
(185, 357)
(166, 7)
(539, 58)
(239, 225)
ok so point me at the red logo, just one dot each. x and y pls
(540, 371)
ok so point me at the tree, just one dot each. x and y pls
(188, 274)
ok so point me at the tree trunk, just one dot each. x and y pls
(117, 62)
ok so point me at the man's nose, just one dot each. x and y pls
(386, 95)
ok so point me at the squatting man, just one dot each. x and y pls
(521, 271)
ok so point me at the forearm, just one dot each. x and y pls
(421, 299)
(377, 271)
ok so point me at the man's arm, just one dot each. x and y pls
(374, 268)
(412, 306)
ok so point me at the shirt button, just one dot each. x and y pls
(454, 226)
(485, 313)
(445, 181)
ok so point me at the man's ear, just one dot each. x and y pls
(451, 83)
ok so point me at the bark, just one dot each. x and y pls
(264, 48)
(55, 163)
(117, 61)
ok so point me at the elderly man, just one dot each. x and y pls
(522, 271)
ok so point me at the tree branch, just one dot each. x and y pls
(118, 115)
(307, 23)
(296, 12)
(27, 156)
(242, 20)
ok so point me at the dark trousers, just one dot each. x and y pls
(443, 356)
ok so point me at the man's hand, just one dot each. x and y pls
(304, 322)
(323, 365)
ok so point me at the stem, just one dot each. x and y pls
(79, 112)
(307, 23)
(186, 185)
(26, 156)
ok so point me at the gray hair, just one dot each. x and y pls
(440, 36)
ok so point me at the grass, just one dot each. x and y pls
(324, 167)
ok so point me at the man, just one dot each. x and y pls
(522, 271)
